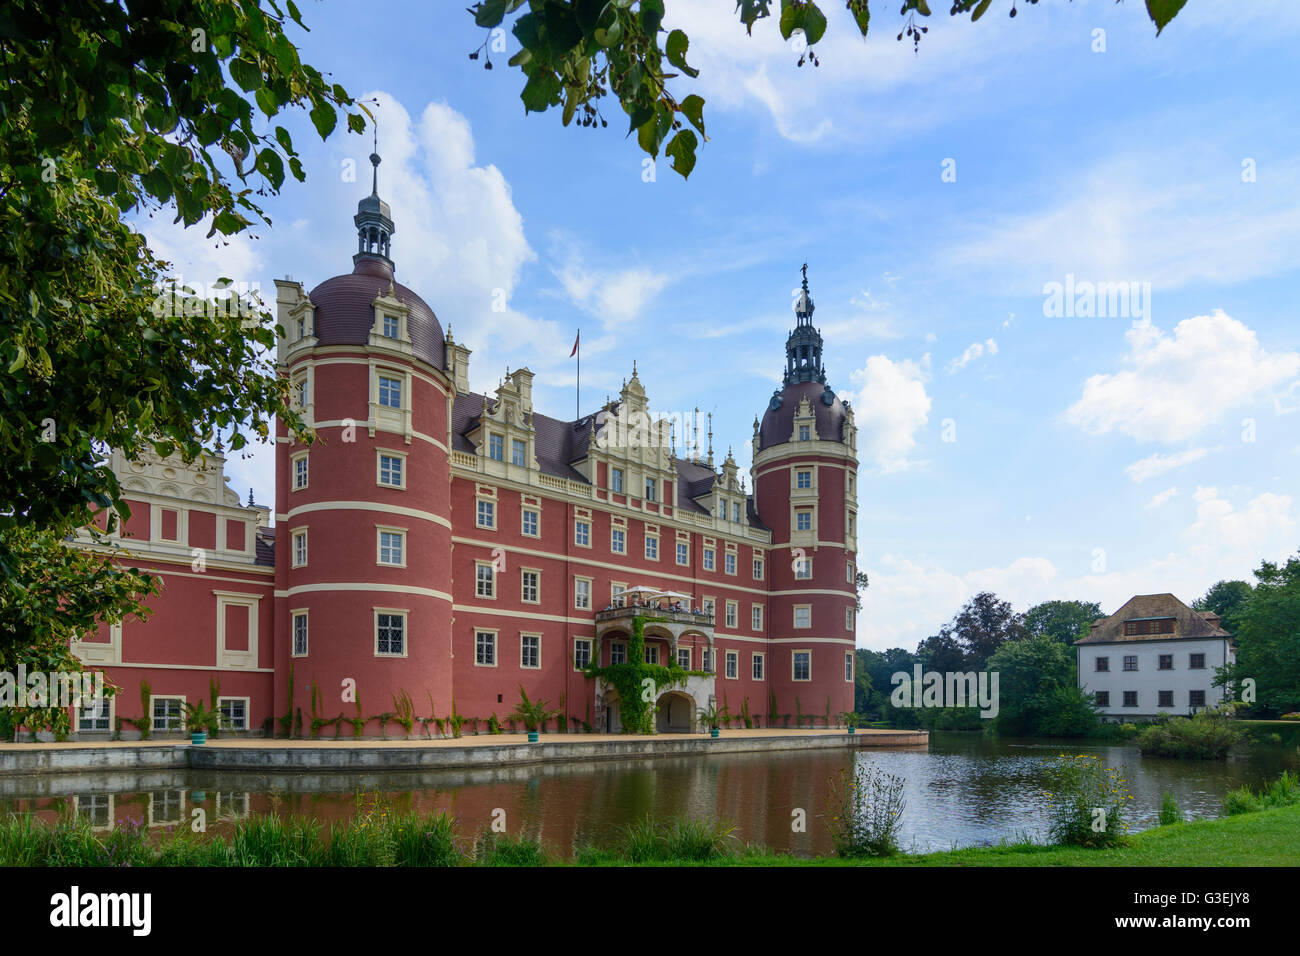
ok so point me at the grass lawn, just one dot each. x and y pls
(1263, 838)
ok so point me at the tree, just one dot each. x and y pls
(1064, 621)
(860, 582)
(983, 625)
(105, 110)
(574, 53)
(1268, 639)
(1037, 690)
(942, 653)
(1229, 600)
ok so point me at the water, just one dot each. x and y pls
(965, 790)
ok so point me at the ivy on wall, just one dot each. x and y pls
(639, 684)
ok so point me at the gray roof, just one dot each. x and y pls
(1187, 622)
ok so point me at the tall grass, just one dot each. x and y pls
(679, 839)
(1282, 792)
(865, 812)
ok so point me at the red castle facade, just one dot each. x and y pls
(445, 548)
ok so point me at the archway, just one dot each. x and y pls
(675, 713)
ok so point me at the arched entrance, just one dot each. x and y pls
(675, 713)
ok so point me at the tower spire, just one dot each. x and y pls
(374, 220)
(803, 348)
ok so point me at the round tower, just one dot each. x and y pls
(805, 481)
(363, 529)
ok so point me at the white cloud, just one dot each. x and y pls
(1161, 497)
(615, 296)
(1157, 464)
(1171, 388)
(890, 405)
(973, 351)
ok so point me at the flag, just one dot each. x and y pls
(575, 344)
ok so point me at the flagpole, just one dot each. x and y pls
(577, 396)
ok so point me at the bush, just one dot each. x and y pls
(682, 839)
(1088, 802)
(1170, 812)
(1240, 801)
(1202, 737)
(500, 849)
(865, 812)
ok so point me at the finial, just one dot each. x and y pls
(250, 497)
(804, 270)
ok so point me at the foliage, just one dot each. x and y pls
(1282, 792)
(1088, 802)
(984, 624)
(574, 54)
(1037, 692)
(199, 718)
(1170, 812)
(680, 839)
(1229, 600)
(1268, 640)
(860, 584)
(500, 849)
(636, 714)
(865, 811)
(404, 711)
(533, 714)
(146, 717)
(1205, 736)
(1064, 621)
(713, 716)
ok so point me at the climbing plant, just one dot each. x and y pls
(639, 683)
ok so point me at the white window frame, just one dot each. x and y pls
(578, 642)
(494, 634)
(491, 579)
(585, 524)
(621, 647)
(248, 707)
(295, 536)
(153, 717)
(400, 458)
(683, 554)
(618, 540)
(523, 522)
(524, 637)
(485, 506)
(523, 585)
(402, 613)
(807, 609)
(652, 545)
(294, 615)
(732, 614)
(380, 531)
(756, 617)
(758, 666)
(731, 665)
(710, 559)
(299, 478)
(616, 482)
(577, 580)
(794, 666)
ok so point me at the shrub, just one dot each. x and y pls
(1202, 737)
(1240, 801)
(1170, 812)
(681, 839)
(865, 811)
(1088, 801)
(500, 849)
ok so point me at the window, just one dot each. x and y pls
(300, 471)
(1164, 698)
(390, 326)
(731, 614)
(803, 568)
(848, 666)
(299, 548)
(616, 594)
(848, 619)
(582, 534)
(95, 715)
(233, 712)
(756, 666)
(167, 713)
(803, 521)
(1103, 664)
(530, 651)
(616, 479)
(618, 541)
(1130, 662)
(581, 653)
(485, 585)
(684, 658)
(582, 594)
(1164, 625)
(722, 510)
(485, 648)
(1103, 698)
(731, 665)
(617, 653)
(300, 392)
(1130, 698)
(848, 572)
(529, 523)
(735, 512)
(487, 514)
(805, 432)
(801, 665)
(518, 452)
(651, 547)
(391, 547)
(529, 587)
(729, 563)
(390, 392)
(1196, 662)
(649, 489)
(652, 654)
(803, 479)
(300, 634)
(390, 470)
(1166, 664)
(1196, 698)
(803, 615)
(707, 606)
(708, 559)
(756, 617)
(682, 556)
(496, 447)
(390, 634)
(758, 569)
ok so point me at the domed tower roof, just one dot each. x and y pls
(345, 312)
(805, 377)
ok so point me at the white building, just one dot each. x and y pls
(1155, 655)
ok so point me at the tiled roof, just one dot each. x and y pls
(1187, 623)
(265, 545)
(344, 314)
(778, 423)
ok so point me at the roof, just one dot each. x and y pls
(557, 444)
(778, 421)
(264, 542)
(1144, 607)
(345, 314)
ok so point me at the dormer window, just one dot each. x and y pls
(1149, 626)
(616, 479)
(302, 326)
(391, 326)
(735, 512)
(805, 433)
(496, 447)
(722, 509)
(518, 452)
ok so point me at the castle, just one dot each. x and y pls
(437, 548)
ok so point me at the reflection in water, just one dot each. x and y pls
(965, 790)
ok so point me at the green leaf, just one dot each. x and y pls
(862, 14)
(980, 10)
(541, 90)
(751, 11)
(1162, 11)
(675, 49)
(324, 118)
(791, 18)
(246, 73)
(693, 108)
(490, 13)
(814, 22)
(682, 150)
(266, 101)
(270, 165)
(652, 15)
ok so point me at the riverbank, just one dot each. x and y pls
(457, 753)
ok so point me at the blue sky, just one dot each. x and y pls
(1037, 455)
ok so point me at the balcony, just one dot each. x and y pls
(660, 612)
